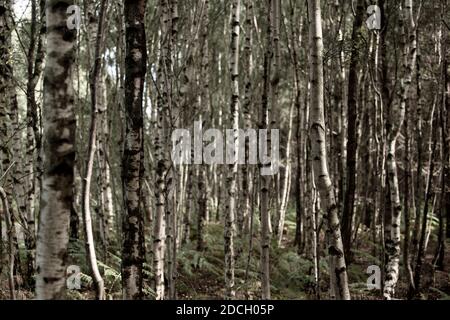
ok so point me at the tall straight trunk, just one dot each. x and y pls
(247, 186)
(352, 134)
(385, 103)
(159, 231)
(230, 215)
(33, 140)
(428, 204)
(91, 256)
(107, 218)
(275, 116)
(341, 99)
(286, 187)
(300, 146)
(406, 201)
(58, 154)
(133, 155)
(375, 121)
(394, 123)
(35, 56)
(445, 128)
(446, 138)
(10, 161)
(204, 106)
(439, 256)
(264, 180)
(170, 49)
(16, 187)
(338, 271)
(419, 189)
(426, 208)
(187, 210)
(313, 228)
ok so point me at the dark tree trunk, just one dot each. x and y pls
(352, 132)
(133, 156)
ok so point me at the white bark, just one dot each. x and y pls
(338, 271)
(58, 154)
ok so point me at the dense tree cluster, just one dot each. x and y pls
(92, 91)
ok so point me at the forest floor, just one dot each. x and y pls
(291, 274)
(200, 274)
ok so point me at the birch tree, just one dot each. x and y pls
(230, 214)
(338, 272)
(352, 136)
(264, 184)
(58, 119)
(133, 154)
(86, 183)
(394, 123)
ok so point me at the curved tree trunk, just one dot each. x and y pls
(86, 182)
(338, 271)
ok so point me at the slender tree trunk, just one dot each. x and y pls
(286, 187)
(406, 201)
(247, 186)
(133, 156)
(9, 131)
(352, 134)
(91, 256)
(338, 272)
(230, 227)
(444, 216)
(420, 163)
(265, 180)
(300, 145)
(313, 227)
(160, 228)
(431, 153)
(204, 106)
(394, 123)
(33, 139)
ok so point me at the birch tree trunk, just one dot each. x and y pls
(265, 181)
(247, 186)
(446, 138)
(444, 215)
(133, 255)
(86, 182)
(204, 106)
(352, 136)
(230, 214)
(35, 57)
(338, 271)
(159, 232)
(394, 123)
(9, 159)
(58, 154)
